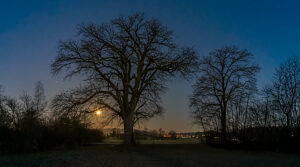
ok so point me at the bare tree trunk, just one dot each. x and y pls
(288, 120)
(288, 123)
(223, 125)
(246, 118)
(128, 132)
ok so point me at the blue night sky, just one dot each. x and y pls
(30, 31)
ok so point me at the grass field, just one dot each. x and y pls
(176, 141)
(149, 155)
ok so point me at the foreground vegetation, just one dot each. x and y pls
(150, 155)
(25, 126)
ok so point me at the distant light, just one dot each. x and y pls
(98, 112)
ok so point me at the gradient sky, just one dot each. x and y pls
(30, 31)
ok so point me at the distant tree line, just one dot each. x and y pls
(229, 107)
(145, 134)
(26, 125)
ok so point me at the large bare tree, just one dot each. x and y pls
(223, 75)
(125, 64)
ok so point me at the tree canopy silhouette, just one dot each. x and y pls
(125, 64)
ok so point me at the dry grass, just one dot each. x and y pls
(150, 155)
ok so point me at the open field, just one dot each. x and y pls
(148, 155)
(176, 141)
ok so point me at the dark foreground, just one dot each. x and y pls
(150, 155)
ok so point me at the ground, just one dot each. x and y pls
(150, 155)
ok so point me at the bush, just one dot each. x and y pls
(40, 137)
(258, 138)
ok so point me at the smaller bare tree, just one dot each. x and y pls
(39, 99)
(223, 75)
(286, 89)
